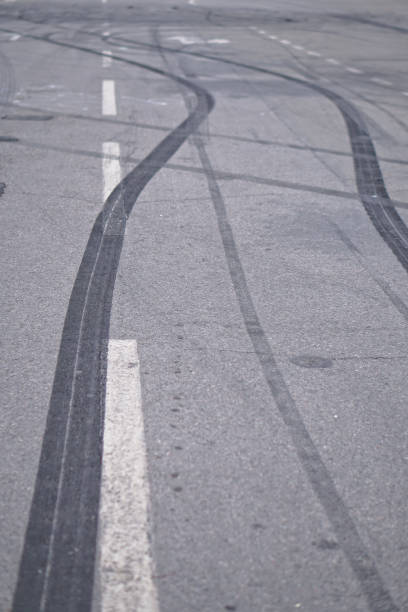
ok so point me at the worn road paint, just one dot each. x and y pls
(126, 567)
(106, 60)
(185, 40)
(108, 98)
(380, 81)
(110, 167)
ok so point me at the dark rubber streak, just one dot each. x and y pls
(364, 567)
(370, 183)
(368, 178)
(57, 564)
(28, 117)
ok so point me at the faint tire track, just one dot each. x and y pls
(354, 549)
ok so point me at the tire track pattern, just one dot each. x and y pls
(57, 566)
(364, 567)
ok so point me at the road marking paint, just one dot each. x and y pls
(110, 167)
(106, 60)
(185, 40)
(218, 41)
(314, 53)
(108, 97)
(354, 70)
(106, 33)
(404, 93)
(191, 1)
(262, 31)
(330, 60)
(285, 42)
(15, 37)
(298, 47)
(272, 37)
(381, 81)
(126, 566)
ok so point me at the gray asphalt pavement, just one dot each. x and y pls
(219, 187)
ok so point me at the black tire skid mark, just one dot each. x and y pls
(376, 593)
(370, 182)
(354, 549)
(57, 564)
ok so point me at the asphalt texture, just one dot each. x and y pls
(257, 250)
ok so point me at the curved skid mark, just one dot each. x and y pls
(57, 564)
(365, 570)
(370, 184)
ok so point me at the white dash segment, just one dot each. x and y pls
(381, 81)
(284, 41)
(15, 37)
(126, 566)
(298, 47)
(110, 167)
(354, 70)
(314, 53)
(404, 93)
(108, 97)
(107, 59)
(272, 37)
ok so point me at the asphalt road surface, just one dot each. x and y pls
(204, 235)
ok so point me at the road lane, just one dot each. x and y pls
(235, 522)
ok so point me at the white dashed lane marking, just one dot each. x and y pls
(108, 97)
(125, 561)
(328, 60)
(106, 59)
(380, 81)
(110, 167)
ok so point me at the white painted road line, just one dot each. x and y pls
(108, 98)
(335, 62)
(272, 37)
(110, 167)
(15, 37)
(314, 53)
(354, 70)
(126, 566)
(298, 47)
(380, 81)
(404, 93)
(285, 42)
(106, 60)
